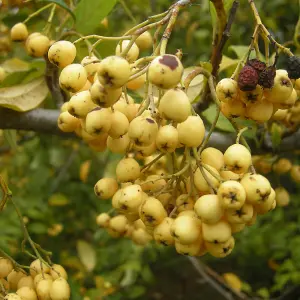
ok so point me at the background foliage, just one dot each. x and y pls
(52, 178)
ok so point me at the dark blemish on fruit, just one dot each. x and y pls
(150, 120)
(169, 61)
(96, 108)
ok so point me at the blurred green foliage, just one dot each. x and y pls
(52, 179)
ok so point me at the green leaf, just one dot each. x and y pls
(227, 63)
(228, 4)
(213, 15)
(276, 132)
(37, 228)
(239, 50)
(58, 200)
(87, 255)
(136, 291)
(264, 293)
(62, 4)
(222, 124)
(24, 97)
(10, 135)
(89, 15)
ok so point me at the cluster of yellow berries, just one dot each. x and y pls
(260, 104)
(193, 218)
(165, 188)
(42, 282)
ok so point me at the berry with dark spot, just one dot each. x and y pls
(256, 64)
(266, 77)
(248, 79)
(293, 67)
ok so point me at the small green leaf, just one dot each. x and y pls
(10, 135)
(276, 132)
(228, 5)
(58, 200)
(89, 15)
(87, 255)
(222, 124)
(136, 291)
(37, 228)
(239, 50)
(62, 4)
(264, 293)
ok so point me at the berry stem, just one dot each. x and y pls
(240, 132)
(36, 13)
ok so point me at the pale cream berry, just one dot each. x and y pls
(257, 187)
(43, 289)
(26, 281)
(127, 170)
(2, 74)
(67, 123)
(103, 219)
(27, 293)
(40, 277)
(220, 250)
(103, 96)
(118, 224)
(62, 53)
(237, 227)
(164, 198)
(261, 111)
(37, 45)
(152, 212)
(142, 151)
(269, 204)
(216, 233)
(209, 209)
(37, 267)
(162, 234)
(153, 183)
(186, 229)
(81, 104)
(201, 181)
(119, 145)
(133, 52)
(98, 121)
(237, 158)
(227, 90)
(105, 188)
(129, 110)
(282, 88)
(64, 107)
(241, 215)
(6, 267)
(282, 196)
(231, 194)
(73, 78)
(167, 139)
(60, 290)
(212, 157)
(233, 109)
(143, 130)
(165, 71)
(192, 249)
(113, 72)
(229, 175)
(290, 102)
(14, 277)
(141, 237)
(119, 125)
(251, 97)
(137, 82)
(131, 198)
(99, 144)
(280, 114)
(191, 131)
(295, 173)
(91, 65)
(57, 271)
(19, 32)
(175, 105)
(184, 202)
(144, 41)
(282, 166)
(12, 296)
